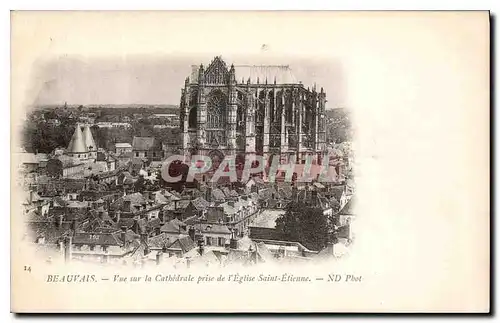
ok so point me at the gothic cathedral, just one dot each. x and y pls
(251, 109)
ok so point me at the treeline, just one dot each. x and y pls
(43, 137)
(338, 126)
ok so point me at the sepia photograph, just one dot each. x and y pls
(158, 155)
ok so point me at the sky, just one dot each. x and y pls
(155, 79)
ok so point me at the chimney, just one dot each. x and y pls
(159, 257)
(200, 247)
(135, 227)
(330, 246)
(233, 243)
(61, 246)
(192, 233)
(127, 205)
(123, 234)
(208, 194)
(67, 249)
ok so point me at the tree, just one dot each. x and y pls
(305, 224)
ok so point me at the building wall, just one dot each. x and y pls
(120, 151)
(265, 233)
(216, 239)
(156, 155)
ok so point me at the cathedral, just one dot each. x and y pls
(251, 110)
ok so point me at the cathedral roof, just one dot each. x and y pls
(282, 73)
(88, 139)
(77, 143)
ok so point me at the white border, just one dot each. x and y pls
(180, 5)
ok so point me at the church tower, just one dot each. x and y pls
(89, 142)
(77, 147)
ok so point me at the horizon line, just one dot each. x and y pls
(116, 104)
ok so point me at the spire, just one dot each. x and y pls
(201, 74)
(232, 74)
(77, 143)
(88, 139)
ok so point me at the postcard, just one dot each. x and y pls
(250, 161)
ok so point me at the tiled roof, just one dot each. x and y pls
(226, 191)
(153, 223)
(146, 143)
(159, 241)
(264, 252)
(245, 243)
(218, 195)
(102, 239)
(348, 208)
(129, 236)
(174, 226)
(228, 209)
(47, 230)
(212, 228)
(126, 222)
(172, 195)
(123, 145)
(184, 243)
(200, 203)
(134, 198)
(267, 219)
(77, 204)
(337, 191)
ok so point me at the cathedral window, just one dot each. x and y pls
(216, 110)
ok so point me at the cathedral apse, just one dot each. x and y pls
(242, 110)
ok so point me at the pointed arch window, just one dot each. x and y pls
(216, 110)
(192, 118)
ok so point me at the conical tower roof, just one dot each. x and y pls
(88, 139)
(77, 143)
